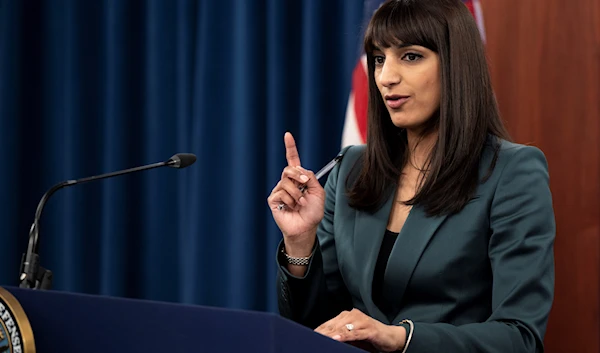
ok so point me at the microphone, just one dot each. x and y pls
(32, 274)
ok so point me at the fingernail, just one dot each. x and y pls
(302, 201)
(304, 178)
(336, 337)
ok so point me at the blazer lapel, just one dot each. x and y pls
(368, 235)
(412, 241)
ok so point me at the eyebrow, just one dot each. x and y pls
(399, 46)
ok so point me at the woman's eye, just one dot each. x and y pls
(379, 60)
(412, 56)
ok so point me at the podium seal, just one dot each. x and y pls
(16, 335)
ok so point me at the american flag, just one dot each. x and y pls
(355, 124)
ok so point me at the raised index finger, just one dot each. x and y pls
(291, 152)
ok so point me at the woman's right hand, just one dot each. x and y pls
(303, 211)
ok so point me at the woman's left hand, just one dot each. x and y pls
(352, 326)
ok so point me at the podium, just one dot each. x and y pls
(79, 323)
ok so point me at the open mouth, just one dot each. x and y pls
(395, 101)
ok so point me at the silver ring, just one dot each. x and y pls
(350, 327)
(280, 207)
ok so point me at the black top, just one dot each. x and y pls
(387, 244)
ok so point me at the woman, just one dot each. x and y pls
(437, 236)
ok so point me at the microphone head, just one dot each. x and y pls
(181, 160)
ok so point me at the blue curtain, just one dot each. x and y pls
(88, 87)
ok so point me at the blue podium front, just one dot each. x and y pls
(78, 323)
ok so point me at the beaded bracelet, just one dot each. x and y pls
(298, 261)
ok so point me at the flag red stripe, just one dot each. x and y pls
(471, 7)
(360, 87)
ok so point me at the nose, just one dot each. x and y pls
(389, 74)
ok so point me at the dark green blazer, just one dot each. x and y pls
(481, 280)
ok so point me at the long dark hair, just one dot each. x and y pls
(467, 116)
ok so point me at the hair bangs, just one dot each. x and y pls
(402, 22)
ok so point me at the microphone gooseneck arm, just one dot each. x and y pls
(36, 277)
(120, 172)
(30, 263)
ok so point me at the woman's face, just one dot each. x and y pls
(408, 78)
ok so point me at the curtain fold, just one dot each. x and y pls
(97, 86)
